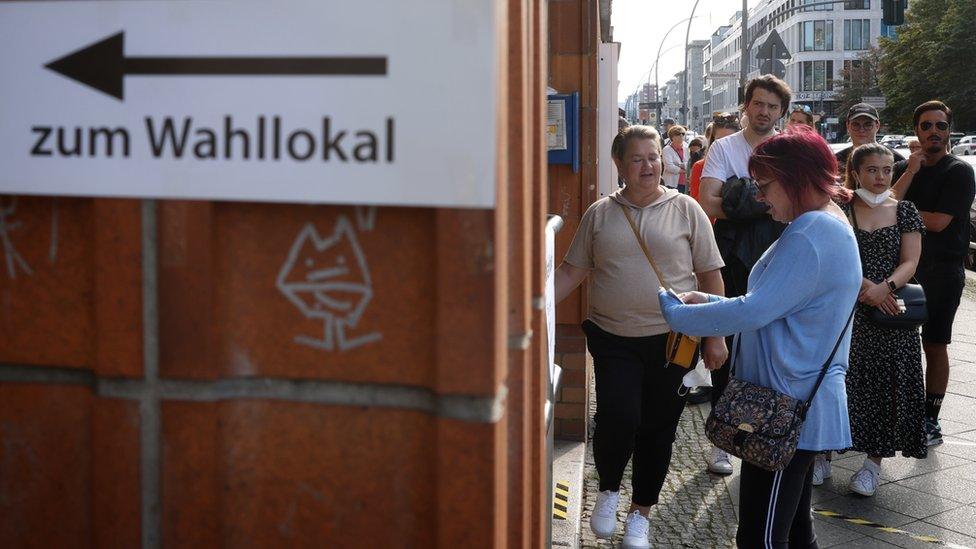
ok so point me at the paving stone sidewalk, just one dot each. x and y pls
(696, 507)
(933, 497)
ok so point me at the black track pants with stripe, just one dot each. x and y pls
(774, 507)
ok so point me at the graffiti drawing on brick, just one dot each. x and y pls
(13, 259)
(327, 279)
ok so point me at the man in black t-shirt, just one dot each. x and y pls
(862, 125)
(942, 187)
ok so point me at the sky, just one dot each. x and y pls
(639, 26)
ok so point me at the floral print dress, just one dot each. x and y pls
(885, 388)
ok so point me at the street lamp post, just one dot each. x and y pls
(684, 88)
(657, 86)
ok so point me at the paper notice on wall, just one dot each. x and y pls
(556, 125)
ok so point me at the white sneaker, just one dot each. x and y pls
(865, 481)
(635, 533)
(821, 469)
(603, 521)
(719, 462)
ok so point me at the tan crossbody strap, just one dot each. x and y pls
(643, 246)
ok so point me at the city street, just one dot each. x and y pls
(919, 503)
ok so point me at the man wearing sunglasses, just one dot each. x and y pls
(942, 187)
(862, 125)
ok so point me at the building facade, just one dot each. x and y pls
(696, 84)
(822, 41)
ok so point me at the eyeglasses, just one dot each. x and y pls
(677, 133)
(862, 126)
(761, 189)
(926, 126)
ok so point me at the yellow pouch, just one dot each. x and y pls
(682, 350)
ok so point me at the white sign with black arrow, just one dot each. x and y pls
(367, 102)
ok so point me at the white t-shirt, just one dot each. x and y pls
(727, 157)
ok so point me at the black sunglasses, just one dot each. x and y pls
(926, 126)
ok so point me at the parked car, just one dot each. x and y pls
(965, 146)
(954, 138)
(891, 137)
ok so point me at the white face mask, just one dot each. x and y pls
(872, 199)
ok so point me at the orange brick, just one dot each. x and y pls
(573, 378)
(46, 466)
(279, 474)
(571, 410)
(569, 429)
(118, 287)
(47, 312)
(116, 500)
(573, 394)
(574, 361)
(565, 26)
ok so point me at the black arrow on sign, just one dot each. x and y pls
(103, 66)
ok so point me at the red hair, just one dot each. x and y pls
(803, 164)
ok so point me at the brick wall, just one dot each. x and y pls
(161, 384)
(574, 33)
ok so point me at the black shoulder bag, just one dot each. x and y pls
(912, 297)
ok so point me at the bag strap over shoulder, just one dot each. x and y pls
(643, 246)
(823, 369)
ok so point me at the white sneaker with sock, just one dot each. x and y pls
(719, 462)
(865, 481)
(603, 521)
(635, 533)
(821, 469)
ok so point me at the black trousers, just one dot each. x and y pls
(637, 410)
(774, 507)
(735, 276)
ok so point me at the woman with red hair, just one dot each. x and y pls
(798, 306)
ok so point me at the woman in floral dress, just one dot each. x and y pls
(885, 389)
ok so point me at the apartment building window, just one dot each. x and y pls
(889, 31)
(857, 4)
(857, 34)
(818, 75)
(828, 7)
(816, 35)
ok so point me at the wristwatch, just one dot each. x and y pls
(891, 285)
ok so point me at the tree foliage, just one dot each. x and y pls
(858, 79)
(931, 58)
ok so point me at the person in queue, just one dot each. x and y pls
(862, 124)
(802, 115)
(912, 144)
(723, 124)
(798, 302)
(637, 393)
(743, 229)
(885, 390)
(942, 186)
(676, 156)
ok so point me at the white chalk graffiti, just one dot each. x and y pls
(328, 279)
(365, 217)
(14, 259)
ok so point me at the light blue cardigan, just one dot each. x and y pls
(800, 296)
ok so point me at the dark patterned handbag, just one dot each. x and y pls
(758, 424)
